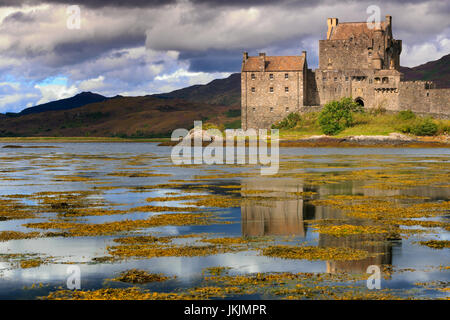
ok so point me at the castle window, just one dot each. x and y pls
(271, 76)
(370, 81)
(286, 75)
(324, 79)
(377, 80)
(271, 109)
(253, 76)
(428, 94)
(385, 80)
(271, 89)
(287, 109)
(253, 89)
(286, 89)
(254, 109)
(346, 78)
(335, 79)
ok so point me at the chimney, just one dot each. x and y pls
(388, 20)
(245, 56)
(262, 55)
(332, 23)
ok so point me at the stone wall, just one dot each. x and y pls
(419, 98)
(261, 105)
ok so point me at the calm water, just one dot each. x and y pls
(28, 171)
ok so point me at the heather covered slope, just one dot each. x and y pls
(121, 116)
(437, 71)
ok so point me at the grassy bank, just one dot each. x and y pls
(364, 124)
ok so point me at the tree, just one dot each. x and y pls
(337, 115)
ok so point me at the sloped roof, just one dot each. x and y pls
(345, 30)
(274, 63)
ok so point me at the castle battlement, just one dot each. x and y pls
(356, 59)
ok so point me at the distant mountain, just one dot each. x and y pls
(437, 71)
(226, 92)
(76, 101)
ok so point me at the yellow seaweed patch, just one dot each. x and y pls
(227, 241)
(16, 235)
(436, 244)
(12, 209)
(31, 263)
(82, 229)
(314, 253)
(164, 208)
(72, 178)
(140, 276)
(113, 294)
(348, 229)
(179, 198)
(152, 251)
(92, 212)
(217, 202)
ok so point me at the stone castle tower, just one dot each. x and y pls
(356, 59)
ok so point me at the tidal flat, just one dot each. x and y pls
(139, 227)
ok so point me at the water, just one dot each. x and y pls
(276, 214)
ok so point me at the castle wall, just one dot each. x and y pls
(415, 96)
(261, 107)
(342, 54)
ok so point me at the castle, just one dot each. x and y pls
(357, 59)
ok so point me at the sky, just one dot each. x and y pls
(54, 49)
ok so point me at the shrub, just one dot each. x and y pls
(289, 122)
(425, 127)
(337, 115)
(406, 115)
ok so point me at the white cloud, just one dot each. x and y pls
(51, 92)
(421, 53)
(92, 84)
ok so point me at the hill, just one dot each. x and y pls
(146, 116)
(437, 71)
(76, 101)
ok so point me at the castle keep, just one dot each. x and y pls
(354, 60)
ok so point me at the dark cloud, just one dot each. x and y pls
(75, 52)
(91, 3)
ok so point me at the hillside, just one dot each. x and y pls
(145, 116)
(437, 71)
(76, 101)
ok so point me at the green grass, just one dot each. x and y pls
(364, 124)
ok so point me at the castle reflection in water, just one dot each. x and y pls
(280, 213)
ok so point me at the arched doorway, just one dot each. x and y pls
(360, 101)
